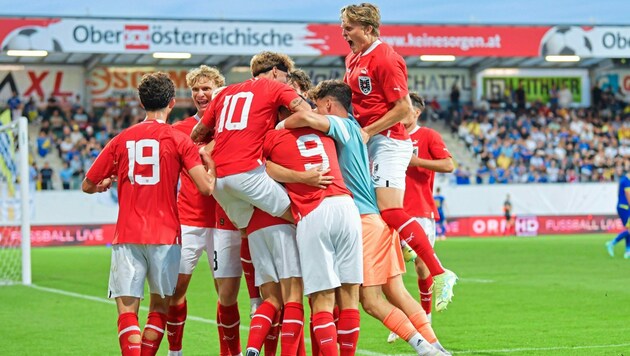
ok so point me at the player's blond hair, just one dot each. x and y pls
(365, 14)
(301, 78)
(265, 61)
(203, 71)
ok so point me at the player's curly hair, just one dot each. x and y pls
(336, 89)
(301, 78)
(155, 91)
(417, 101)
(203, 71)
(265, 61)
(365, 14)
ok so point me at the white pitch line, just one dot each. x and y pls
(359, 351)
(475, 280)
(553, 348)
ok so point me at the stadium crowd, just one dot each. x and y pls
(545, 143)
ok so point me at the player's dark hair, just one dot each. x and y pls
(336, 89)
(417, 101)
(155, 91)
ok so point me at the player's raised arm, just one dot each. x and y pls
(305, 118)
(400, 111)
(200, 132)
(204, 180)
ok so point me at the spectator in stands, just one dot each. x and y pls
(15, 105)
(520, 98)
(565, 97)
(66, 175)
(33, 174)
(44, 143)
(455, 98)
(46, 174)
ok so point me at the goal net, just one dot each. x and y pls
(15, 242)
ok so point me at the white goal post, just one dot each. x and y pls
(15, 191)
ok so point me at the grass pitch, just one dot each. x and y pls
(550, 295)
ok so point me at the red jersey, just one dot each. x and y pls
(301, 150)
(427, 144)
(194, 208)
(222, 220)
(240, 115)
(261, 220)
(377, 77)
(147, 159)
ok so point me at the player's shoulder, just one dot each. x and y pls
(185, 125)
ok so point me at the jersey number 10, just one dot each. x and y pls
(226, 120)
(135, 152)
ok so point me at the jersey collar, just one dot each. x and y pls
(374, 45)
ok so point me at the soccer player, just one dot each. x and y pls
(146, 160)
(276, 260)
(430, 156)
(624, 212)
(378, 78)
(196, 212)
(330, 253)
(440, 204)
(382, 260)
(240, 115)
(507, 212)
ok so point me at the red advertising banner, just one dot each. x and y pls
(489, 226)
(408, 40)
(66, 235)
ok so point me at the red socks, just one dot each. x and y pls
(424, 285)
(228, 324)
(348, 331)
(156, 323)
(248, 270)
(413, 234)
(325, 333)
(292, 328)
(128, 328)
(175, 325)
(260, 325)
(271, 341)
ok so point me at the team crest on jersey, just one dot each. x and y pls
(365, 84)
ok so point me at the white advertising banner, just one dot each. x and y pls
(41, 82)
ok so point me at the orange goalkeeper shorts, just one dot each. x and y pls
(382, 255)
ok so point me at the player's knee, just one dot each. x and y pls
(149, 334)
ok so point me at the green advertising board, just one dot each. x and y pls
(536, 88)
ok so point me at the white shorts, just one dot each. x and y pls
(428, 225)
(274, 253)
(195, 240)
(132, 264)
(389, 159)
(225, 261)
(330, 246)
(239, 193)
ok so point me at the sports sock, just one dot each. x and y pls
(271, 341)
(413, 234)
(424, 285)
(156, 323)
(223, 346)
(348, 331)
(398, 322)
(422, 324)
(292, 328)
(230, 322)
(325, 333)
(128, 328)
(260, 325)
(175, 325)
(624, 235)
(248, 270)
